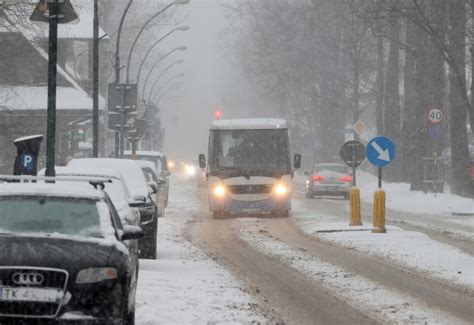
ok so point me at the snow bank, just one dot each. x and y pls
(399, 197)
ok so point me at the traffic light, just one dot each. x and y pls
(218, 114)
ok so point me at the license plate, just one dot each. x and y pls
(30, 294)
(251, 210)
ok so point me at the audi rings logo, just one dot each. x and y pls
(30, 278)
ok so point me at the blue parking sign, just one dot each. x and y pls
(380, 151)
(27, 162)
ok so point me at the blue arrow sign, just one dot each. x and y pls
(380, 151)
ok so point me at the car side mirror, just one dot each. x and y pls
(137, 201)
(202, 161)
(307, 173)
(297, 161)
(154, 187)
(132, 232)
(161, 181)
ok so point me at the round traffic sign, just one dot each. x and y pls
(435, 132)
(380, 151)
(435, 115)
(352, 153)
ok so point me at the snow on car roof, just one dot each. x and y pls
(131, 171)
(248, 124)
(84, 171)
(58, 189)
(146, 153)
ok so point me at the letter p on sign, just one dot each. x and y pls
(27, 160)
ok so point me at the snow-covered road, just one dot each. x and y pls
(185, 286)
(266, 270)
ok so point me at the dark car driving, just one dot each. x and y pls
(65, 256)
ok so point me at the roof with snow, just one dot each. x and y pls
(36, 98)
(249, 124)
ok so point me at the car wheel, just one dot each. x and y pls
(148, 249)
(281, 214)
(130, 319)
(220, 215)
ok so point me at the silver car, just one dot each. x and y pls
(328, 179)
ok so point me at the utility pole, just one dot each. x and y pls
(95, 77)
(52, 70)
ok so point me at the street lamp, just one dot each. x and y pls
(178, 48)
(175, 2)
(182, 28)
(161, 74)
(164, 84)
(162, 101)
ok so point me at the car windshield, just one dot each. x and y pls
(330, 168)
(249, 150)
(49, 215)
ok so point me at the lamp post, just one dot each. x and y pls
(95, 91)
(160, 75)
(164, 84)
(175, 2)
(117, 44)
(162, 101)
(181, 28)
(118, 68)
(53, 12)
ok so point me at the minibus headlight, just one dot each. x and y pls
(281, 189)
(219, 190)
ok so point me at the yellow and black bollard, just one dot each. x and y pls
(379, 212)
(355, 207)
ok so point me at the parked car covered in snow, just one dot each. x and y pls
(161, 166)
(65, 254)
(142, 195)
(157, 183)
(116, 188)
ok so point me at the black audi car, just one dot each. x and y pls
(65, 256)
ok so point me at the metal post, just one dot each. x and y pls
(95, 94)
(380, 177)
(117, 146)
(122, 125)
(354, 180)
(52, 70)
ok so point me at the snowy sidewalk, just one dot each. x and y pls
(184, 286)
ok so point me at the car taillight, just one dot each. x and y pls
(318, 178)
(346, 178)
